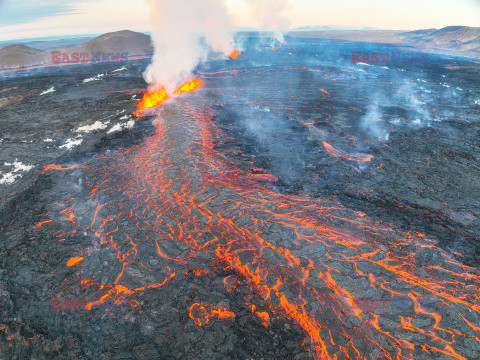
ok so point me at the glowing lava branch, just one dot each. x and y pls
(59, 167)
(201, 313)
(40, 224)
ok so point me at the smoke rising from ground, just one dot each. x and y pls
(185, 32)
(270, 14)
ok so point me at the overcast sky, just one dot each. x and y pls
(39, 18)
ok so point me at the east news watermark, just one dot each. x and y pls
(394, 56)
(59, 57)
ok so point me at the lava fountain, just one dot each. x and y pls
(155, 97)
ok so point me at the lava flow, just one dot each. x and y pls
(298, 259)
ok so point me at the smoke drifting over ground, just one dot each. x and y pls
(185, 32)
(270, 14)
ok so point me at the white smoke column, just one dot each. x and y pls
(183, 33)
(271, 14)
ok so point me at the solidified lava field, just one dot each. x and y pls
(295, 206)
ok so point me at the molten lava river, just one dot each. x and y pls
(219, 264)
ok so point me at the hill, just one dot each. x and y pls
(20, 55)
(119, 42)
(456, 40)
(124, 41)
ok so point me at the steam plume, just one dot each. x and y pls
(185, 31)
(183, 34)
(270, 14)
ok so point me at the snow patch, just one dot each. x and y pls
(97, 125)
(18, 166)
(52, 89)
(71, 143)
(13, 175)
(95, 78)
(121, 69)
(120, 127)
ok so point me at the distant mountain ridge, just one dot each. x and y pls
(124, 41)
(458, 40)
(120, 42)
(16, 55)
(47, 43)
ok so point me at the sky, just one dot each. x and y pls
(22, 19)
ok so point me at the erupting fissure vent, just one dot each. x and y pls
(155, 97)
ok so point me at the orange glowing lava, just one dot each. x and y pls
(152, 98)
(59, 167)
(264, 317)
(234, 54)
(40, 224)
(189, 86)
(74, 261)
(201, 313)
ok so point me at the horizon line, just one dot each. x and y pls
(236, 29)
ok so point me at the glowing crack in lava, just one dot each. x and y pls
(307, 259)
(201, 313)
